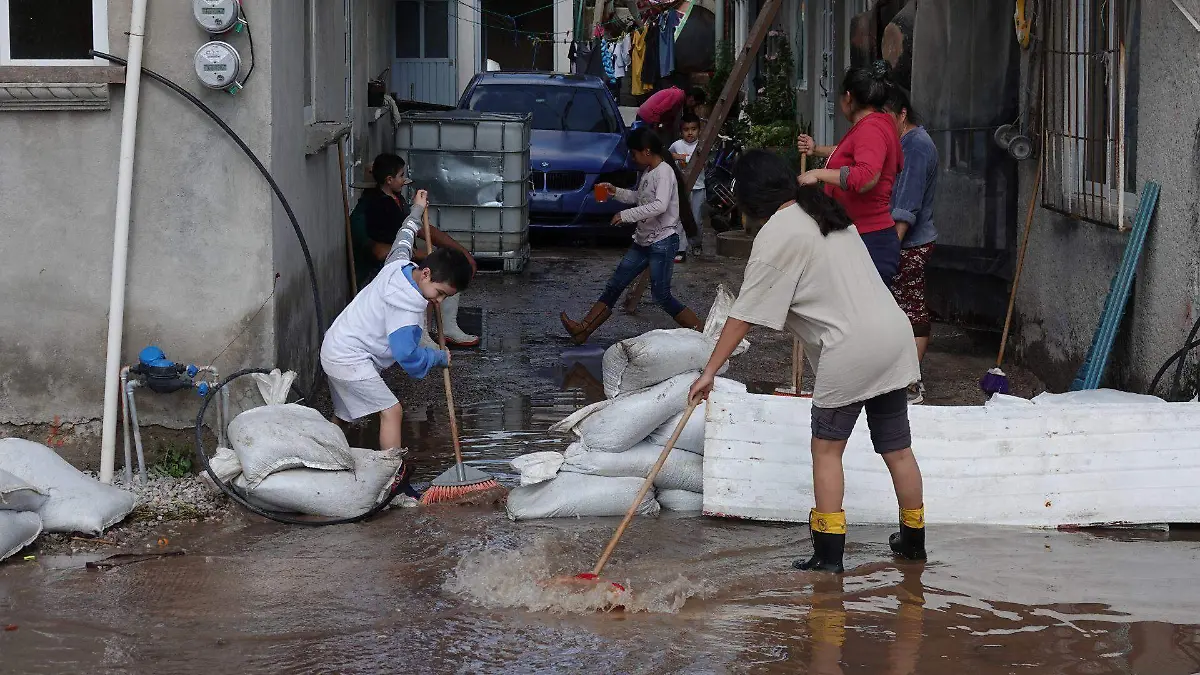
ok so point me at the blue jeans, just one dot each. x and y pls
(884, 247)
(660, 258)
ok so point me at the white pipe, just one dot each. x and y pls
(137, 430)
(116, 299)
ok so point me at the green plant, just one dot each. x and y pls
(721, 71)
(174, 461)
(775, 100)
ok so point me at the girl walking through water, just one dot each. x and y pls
(662, 211)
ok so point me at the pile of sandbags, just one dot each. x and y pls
(41, 491)
(619, 439)
(286, 457)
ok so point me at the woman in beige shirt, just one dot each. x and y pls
(810, 272)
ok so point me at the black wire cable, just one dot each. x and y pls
(250, 37)
(1167, 365)
(212, 392)
(1178, 377)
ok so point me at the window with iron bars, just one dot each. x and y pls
(1089, 108)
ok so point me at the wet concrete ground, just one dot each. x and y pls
(447, 590)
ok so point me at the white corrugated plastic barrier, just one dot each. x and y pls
(1085, 458)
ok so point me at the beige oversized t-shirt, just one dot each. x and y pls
(827, 292)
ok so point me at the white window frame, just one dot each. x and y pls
(99, 39)
(310, 54)
(1072, 189)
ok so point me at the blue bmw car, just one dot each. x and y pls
(578, 140)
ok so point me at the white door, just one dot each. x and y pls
(423, 68)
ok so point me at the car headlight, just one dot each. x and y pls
(624, 178)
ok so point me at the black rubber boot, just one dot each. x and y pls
(827, 554)
(909, 542)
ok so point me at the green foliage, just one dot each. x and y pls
(175, 461)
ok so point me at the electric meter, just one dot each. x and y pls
(216, 16)
(217, 65)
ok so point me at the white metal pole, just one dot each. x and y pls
(116, 300)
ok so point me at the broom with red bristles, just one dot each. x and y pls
(459, 480)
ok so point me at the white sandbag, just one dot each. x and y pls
(225, 464)
(692, 438)
(683, 470)
(278, 437)
(658, 355)
(18, 529)
(680, 500)
(652, 357)
(572, 495)
(333, 494)
(76, 502)
(617, 424)
(718, 314)
(17, 495)
(537, 467)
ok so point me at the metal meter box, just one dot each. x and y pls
(216, 16)
(217, 65)
(475, 167)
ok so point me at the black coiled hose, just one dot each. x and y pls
(201, 456)
(233, 494)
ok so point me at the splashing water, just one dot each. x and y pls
(526, 578)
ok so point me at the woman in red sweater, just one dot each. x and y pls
(862, 168)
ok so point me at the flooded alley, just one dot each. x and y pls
(458, 589)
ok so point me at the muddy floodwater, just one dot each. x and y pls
(459, 590)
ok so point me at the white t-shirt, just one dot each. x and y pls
(682, 147)
(827, 292)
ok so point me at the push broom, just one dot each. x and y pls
(587, 580)
(459, 480)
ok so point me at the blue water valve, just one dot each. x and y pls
(202, 389)
(192, 370)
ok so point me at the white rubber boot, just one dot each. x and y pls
(455, 336)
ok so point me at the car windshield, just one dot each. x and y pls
(553, 108)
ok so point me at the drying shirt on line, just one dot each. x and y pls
(382, 324)
(826, 291)
(637, 86)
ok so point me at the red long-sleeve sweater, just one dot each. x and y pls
(871, 147)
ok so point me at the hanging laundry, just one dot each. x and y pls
(667, 24)
(637, 85)
(650, 72)
(621, 56)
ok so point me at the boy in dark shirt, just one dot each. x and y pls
(381, 212)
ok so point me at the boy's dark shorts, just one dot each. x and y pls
(887, 418)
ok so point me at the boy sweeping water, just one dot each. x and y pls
(382, 326)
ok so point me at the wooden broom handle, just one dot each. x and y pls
(797, 348)
(637, 501)
(1012, 296)
(442, 343)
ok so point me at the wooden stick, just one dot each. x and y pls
(346, 209)
(797, 348)
(646, 484)
(1012, 296)
(445, 371)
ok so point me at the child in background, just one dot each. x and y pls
(660, 206)
(381, 211)
(682, 150)
(382, 326)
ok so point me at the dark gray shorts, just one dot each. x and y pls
(887, 418)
